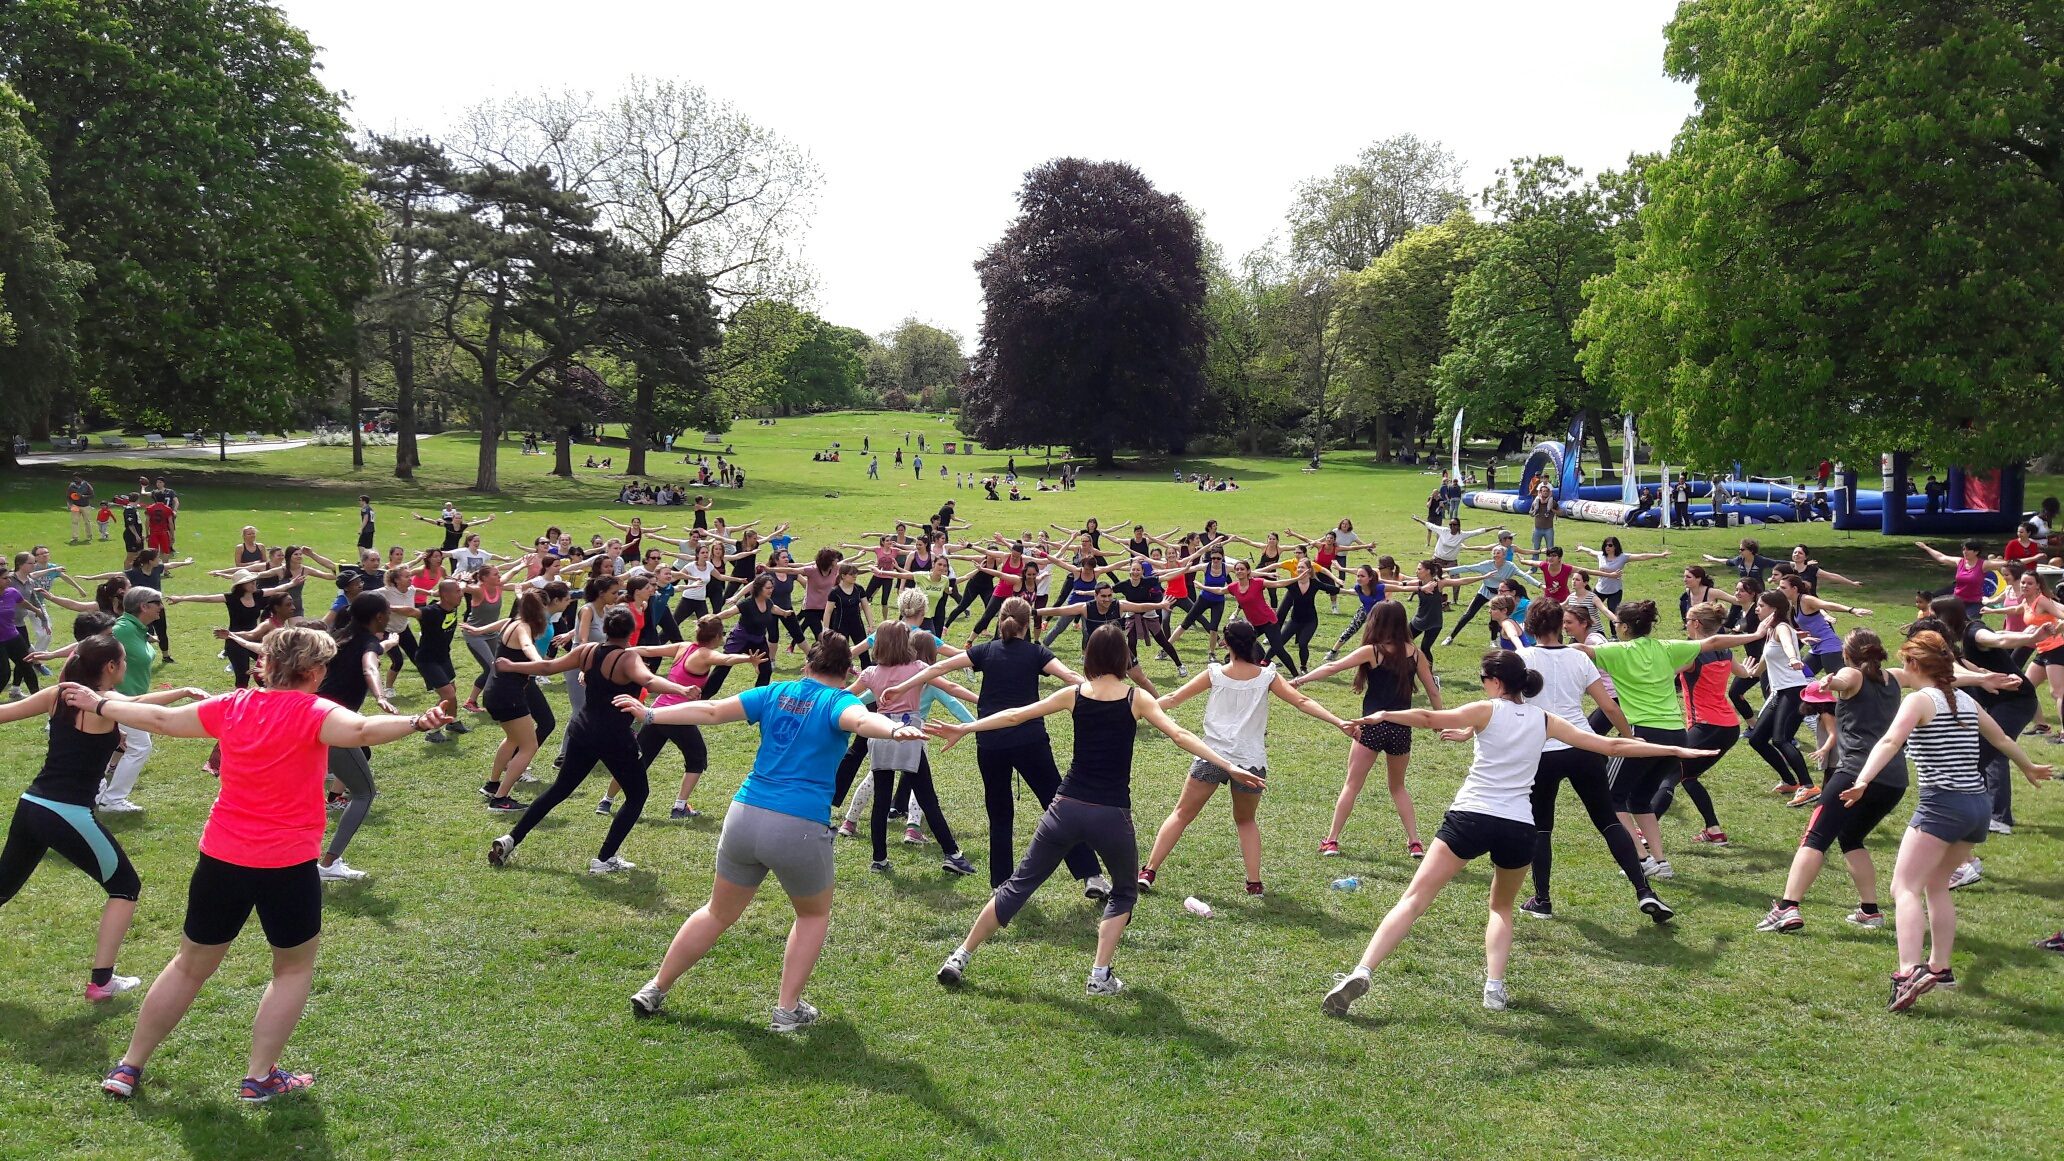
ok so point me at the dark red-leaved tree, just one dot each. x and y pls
(1093, 324)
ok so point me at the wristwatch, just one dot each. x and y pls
(650, 714)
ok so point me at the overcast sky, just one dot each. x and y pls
(925, 117)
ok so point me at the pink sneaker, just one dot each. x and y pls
(278, 1082)
(1329, 847)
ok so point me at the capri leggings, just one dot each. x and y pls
(1699, 737)
(1834, 821)
(1585, 773)
(653, 738)
(72, 831)
(1775, 737)
(352, 767)
(1209, 612)
(1634, 780)
(1107, 830)
(1427, 629)
(611, 745)
(1353, 627)
(483, 651)
(16, 652)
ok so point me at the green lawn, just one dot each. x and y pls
(465, 1012)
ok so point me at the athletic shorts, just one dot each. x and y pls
(1469, 834)
(1952, 816)
(221, 897)
(1386, 738)
(1204, 771)
(436, 674)
(756, 841)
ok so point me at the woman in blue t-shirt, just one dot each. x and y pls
(780, 819)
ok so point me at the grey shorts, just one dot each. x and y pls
(756, 841)
(1952, 816)
(1204, 771)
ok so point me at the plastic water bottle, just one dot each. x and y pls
(1197, 907)
(1350, 883)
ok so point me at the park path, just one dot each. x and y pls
(168, 452)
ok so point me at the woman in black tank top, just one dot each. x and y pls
(1094, 803)
(600, 732)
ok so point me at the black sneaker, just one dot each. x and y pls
(1538, 908)
(1653, 907)
(504, 805)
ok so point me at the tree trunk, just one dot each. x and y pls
(640, 427)
(562, 453)
(406, 461)
(1383, 449)
(487, 473)
(357, 436)
(1606, 463)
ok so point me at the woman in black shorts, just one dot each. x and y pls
(514, 700)
(1386, 666)
(1492, 813)
(56, 811)
(258, 847)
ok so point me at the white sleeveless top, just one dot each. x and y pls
(1500, 782)
(1236, 717)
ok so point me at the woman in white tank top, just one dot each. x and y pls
(1492, 813)
(1236, 725)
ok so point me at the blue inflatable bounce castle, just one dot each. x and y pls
(1970, 503)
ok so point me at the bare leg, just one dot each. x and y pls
(1140, 678)
(1194, 795)
(170, 995)
(1865, 874)
(1920, 857)
(1806, 864)
(1652, 830)
(114, 926)
(986, 926)
(1440, 865)
(1249, 832)
(1941, 908)
(805, 943)
(1108, 933)
(700, 933)
(1497, 939)
(1359, 759)
(523, 732)
(279, 1010)
(1395, 766)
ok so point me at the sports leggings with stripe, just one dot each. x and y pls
(611, 744)
(72, 831)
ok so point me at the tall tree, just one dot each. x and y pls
(1392, 320)
(1093, 326)
(39, 287)
(1853, 245)
(926, 357)
(778, 357)
(199, 168)
(405, 178)
(1247, 390)
(1515, 351)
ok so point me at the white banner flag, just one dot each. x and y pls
(1456, 451)
(1628, 494)
(1663, 498)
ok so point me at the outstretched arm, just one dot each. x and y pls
(1150, 711)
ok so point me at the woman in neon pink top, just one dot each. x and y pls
(259, 847)
(1971, 566)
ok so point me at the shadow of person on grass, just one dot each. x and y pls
(638, 890)
(1648, 944)
(77, 1044)
(360, 900)
(227, 1131)
(1135, 1013)
(1563, 1038)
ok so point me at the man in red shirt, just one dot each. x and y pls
(159, 518)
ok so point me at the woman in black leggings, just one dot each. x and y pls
(1775, 736)
(1094, 803)
(1746, 590)
(600, 732)
(1300, 609)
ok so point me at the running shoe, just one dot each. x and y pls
(604, 807)
(119, 806)
(1181, 670)
(1781, 918)
(458, 727)
(1998, 827)
(611, 865)
(1862, 918)
(949, 973)
(793, 1019)
(1347, 988)
(1910, 987)
(1712, 836)
(1944, 978)
(1967, 874)
(1107, 985)
(437, 738)
(957, 864)
(1416, 850)
(116, 985)
(1784, 788)
(1096, 887)
(1254, 887)
(1329, 847)
(339, 872)
(1146, 879)
(1494, 996)
(1807, 796)
(471, 707)
(2052, 943)
(122, 1081)
(913, 837)
(500, 851)
(337, 802)
(646, 1001)
(679, 814)
(277, 1083)
(879, 865)
(1653, 906)
(846, 829)
(487, 789)
(527, 776)
(896, 812)
(1538, 907)
(504, 805)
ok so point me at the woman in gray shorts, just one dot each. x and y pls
(780, 819)
(1939, 727)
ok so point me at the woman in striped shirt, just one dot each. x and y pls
(1939, 726)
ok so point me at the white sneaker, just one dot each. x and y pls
(1998, 827)
(1096, 887)
(950, 972)
(115, 986)
(610, 865)
(646, 1001)
(1109, 985)
(119, 806)
(1494, 996)
(793, 1019)
(1347, 988)
(1967, 874)
(339, 872)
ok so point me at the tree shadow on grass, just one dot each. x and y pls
(1134, 1014)
(640, 890)
(2051, 889)
(75, 1045)
(832, 1053)
(1565, 1039)
(227, 1131)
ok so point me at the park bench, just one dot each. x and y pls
(64, 443)
(113, 441)
(21, 445)
(250, 437)
(154, 440)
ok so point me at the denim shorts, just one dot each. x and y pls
(1204, 771)
(1953, 816)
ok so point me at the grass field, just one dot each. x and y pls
(465, 1012)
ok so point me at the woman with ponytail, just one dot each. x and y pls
(1939, 726)
(1492, 812)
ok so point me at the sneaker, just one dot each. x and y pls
(896, 812)
(2052, 943)
(1944, 978)
(793, 1019)
(1807, 796)
(116, 985)
(122, 1081)
(913, 837)
(1781, 919)
(1109, 985)
(610, 865)
(846, 829)
(1447, 642)
(1998, 827)
(339, 872)
(879, 865)
(487, 789)
(1254, 887)
(1656, 868)
(1538, 907)
(1910, 987)
(119, 806)
(504, 805)
(1416, 850)
(458, 727)
(277, 1083)
(1653, 906)
(471, 707)
(957, 864)
(604, 807)
(646, 1001)
(1785, 788)
(527, 776)
(1181, 670)
(1096, 887)
(679, 814)
(500, 851)
(1861, 918)
(337, 802)
(1329, 848)
(1711, 836)
(1967, 874)
(1494, 996)
(437, 738)
(1347, 988)
(1146, 879)
(949, 973)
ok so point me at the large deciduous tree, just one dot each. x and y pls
(779, 358)
(1856, 243)
(199, 168)
(39, 287)
(1392, 320)
(1093, 328)
(405, 178)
